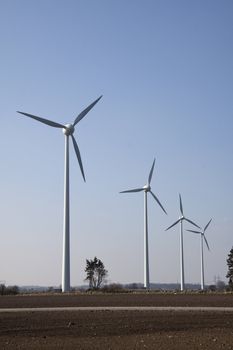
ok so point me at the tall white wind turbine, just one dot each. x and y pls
(68, 130)
(146, 189)
(181, 219)
(202, 236)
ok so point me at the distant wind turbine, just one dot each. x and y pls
(181, 219)
(202, 236)
(146, 189)
(68, 131)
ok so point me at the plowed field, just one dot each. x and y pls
(116, 329)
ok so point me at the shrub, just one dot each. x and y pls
(112, 288)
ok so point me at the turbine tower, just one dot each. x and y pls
(146, 189)
(202, 236)
(68, 130)
(181, 219)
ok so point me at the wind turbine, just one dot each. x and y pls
(146, 189)
(202, 236)
(68, 130)
(181, 219)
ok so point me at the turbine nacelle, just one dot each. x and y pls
(146, 188)
(68, 130)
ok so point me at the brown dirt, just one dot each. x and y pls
(121, 299)
(116, 329)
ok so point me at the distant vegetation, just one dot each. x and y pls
(230, 269)
(218, 287)
(10, 290)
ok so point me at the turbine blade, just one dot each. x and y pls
(206, 243)
(207, 225)
(151, 172)
(134, 190)
(78, 156)
(42, 120)
(173, 225)
(158, 201)
(181, 206)
(191, 222)
(85, 111)
(194, 231)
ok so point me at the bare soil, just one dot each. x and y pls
(116, 329)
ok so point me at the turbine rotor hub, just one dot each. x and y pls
(68, 130)
(147, 188)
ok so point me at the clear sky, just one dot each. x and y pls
(165, 69)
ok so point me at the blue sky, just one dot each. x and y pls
(166, 74)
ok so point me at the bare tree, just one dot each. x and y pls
(96, 273)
